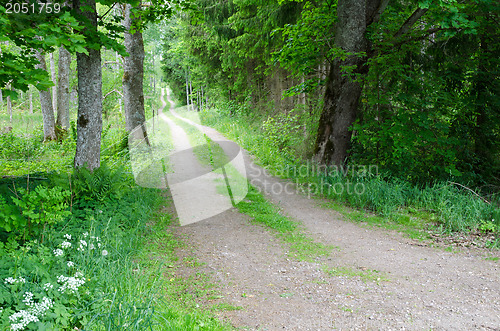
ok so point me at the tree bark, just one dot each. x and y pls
(53, 77)
(133, 75)
(30, 91)
(187, 91)
(9, 108)
(343, 91)
(89, 123)
(63, 88)
(49, 125)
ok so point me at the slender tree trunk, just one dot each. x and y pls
(31, 99)
(89, 123)
(9, 106)
(191, 95)
(49, 125)
(133, 76)
(63, 88)
(154, 75)
(187, 90)
(117, 69)
(53, 77)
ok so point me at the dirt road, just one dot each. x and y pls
(420, 288)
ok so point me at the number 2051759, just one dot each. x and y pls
(32, 8)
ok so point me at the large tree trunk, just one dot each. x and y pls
(133, 75)
(89, 123)
(343, 91)
(49, 125)
(63, 88)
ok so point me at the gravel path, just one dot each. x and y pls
(420, 288)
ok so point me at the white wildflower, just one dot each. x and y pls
(104, 252)
(65, 244)
(85, 234)
(91, 246)
(47, 286)
(58, 252)
(10, 280)
(82, 246)
(22, 318)
(70, 264)
(28, 299)
(70, 284)
(67, 236)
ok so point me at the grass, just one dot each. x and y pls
(366, 275)
(301, 246)
(413, 227)
(414, 210)
(23, 151)
(135, 287)
(180, 297)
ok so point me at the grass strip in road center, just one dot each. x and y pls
(302, 247)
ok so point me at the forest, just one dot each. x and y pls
(385, 113)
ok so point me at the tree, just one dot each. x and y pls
(360, 38)
(89, 122)
(49, 129)
(63, 88)
(37, 30)
(133, 70)
(344, 90)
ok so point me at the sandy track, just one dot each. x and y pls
(428, 288)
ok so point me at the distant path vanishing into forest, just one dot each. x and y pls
(420, 287)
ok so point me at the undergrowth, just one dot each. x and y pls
(74, 248)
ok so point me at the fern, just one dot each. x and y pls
(99, 185)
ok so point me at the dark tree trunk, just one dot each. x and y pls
(49, 125)
(343, 91)
(89, 123)
(63, 88)
(133, 74)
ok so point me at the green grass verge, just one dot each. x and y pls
(443, 207)
(180, 298)
(301, 246)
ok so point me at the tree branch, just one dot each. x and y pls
(417, 14)
(107, 94)
(375, 10)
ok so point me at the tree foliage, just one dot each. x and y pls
(429, 107)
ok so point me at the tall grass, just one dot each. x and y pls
(445, 205)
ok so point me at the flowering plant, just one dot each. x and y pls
(48, 285)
